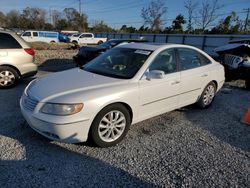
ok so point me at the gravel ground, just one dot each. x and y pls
(188, 147)
(47, 56)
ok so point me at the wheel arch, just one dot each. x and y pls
(216, 84)
(126, 105)
(13, 67)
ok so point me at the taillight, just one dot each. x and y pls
(30, 51)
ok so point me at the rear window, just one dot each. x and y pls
(8, 42)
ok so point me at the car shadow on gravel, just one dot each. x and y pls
(47, 164)
(30, 160)
(223, 118)
(56, 65)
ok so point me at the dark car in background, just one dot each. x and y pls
(235, 56)
(63, 37)
(87, 53)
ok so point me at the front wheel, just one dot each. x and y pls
(110, 125)
(207, 96)
(8, 77)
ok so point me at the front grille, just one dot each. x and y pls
(29, 103)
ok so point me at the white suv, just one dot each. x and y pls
(16, 59)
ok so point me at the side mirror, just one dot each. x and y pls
(155, 74)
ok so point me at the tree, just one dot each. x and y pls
(207, 13)
(191, 7)
(12, 19)
(229, 25)
(75, 20)
(143, 29)
(61, 24)
(100, 26)
(2, 20)
(125, 29)
(32, 18)
(152, 15)
(177, 23)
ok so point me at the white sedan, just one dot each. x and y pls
(123, 86)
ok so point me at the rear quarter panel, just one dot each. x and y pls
(218, 74)
(17, 58)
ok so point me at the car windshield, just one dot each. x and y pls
(121, 63)
(110, 43)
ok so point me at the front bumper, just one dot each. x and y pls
(70, 132)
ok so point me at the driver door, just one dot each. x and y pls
(158, 96)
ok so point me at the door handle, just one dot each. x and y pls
(174, 82)
(204, 75)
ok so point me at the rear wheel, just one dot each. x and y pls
(100, 42)
(110, 125)
(207, 96)
(8, 77)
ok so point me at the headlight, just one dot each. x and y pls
(61, 109)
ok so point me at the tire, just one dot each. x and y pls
(106, 133)
(100, 42)
(247, 83)
(207, 96)
(74, 42)
(8, 77)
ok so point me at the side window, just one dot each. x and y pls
(35, 34)
(190, 59)
(204, 60)
(165, 61)
(83, 36)
(88, 36)
(27, 34)
(8, 42)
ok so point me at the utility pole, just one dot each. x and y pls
(246, 21)
(50, 15)
(80, 7)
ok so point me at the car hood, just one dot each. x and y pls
(87, 49)
(68, 82)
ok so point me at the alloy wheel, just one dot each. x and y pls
(112, 126)
(208, 95)
(7, 78)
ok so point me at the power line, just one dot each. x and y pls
(80, 5)
(117, 9)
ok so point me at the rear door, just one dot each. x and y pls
(195, 74)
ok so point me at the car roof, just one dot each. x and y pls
(7, 31)
(151, 46)
(129, 40)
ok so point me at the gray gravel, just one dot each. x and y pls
(188, 147)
